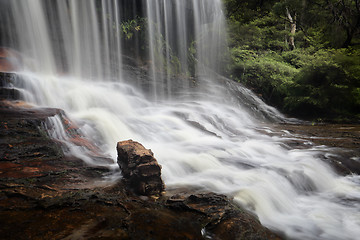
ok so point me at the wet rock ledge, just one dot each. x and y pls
(45, 194)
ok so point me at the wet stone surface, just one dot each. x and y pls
(140, 169)
(340, 143)
(45, 194)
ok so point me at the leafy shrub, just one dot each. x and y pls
(265, 74)
(303, 83)
(322, 90)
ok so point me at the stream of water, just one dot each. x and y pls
(206, 131)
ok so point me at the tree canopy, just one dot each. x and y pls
(302, 56)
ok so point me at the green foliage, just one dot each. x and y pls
(265, 73)
(131, 26)
(349, 60)
(192, 62)
(317, 79)
(165, 59)
(134, 34)
(264, 33)
(317, 90)
(247, 10)
(303, 83)
(327, 84)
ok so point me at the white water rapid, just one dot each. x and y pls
(207, 132)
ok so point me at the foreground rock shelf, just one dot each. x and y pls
(47, 195)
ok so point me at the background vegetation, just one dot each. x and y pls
(301, 56)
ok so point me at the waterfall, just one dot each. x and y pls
(69, 37)
(181, 33)
(149, 70)
(86, 39)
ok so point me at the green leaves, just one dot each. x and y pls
(131, 26)
(325, 85)
(318, 78)
(304, 83)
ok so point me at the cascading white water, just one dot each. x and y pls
(71, 37)
(205, 135)
(181, 32)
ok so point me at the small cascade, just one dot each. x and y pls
(74, 143)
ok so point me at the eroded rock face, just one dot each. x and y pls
(140, 169)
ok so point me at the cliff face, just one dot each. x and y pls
(45, 194)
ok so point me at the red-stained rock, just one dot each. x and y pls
(10, 60)
(140, 169)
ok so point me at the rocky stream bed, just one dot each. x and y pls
(45, 194)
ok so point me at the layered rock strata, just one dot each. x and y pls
(140, 169)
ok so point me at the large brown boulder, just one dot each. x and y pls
(140, 169)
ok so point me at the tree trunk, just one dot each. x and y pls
(349, 36)
(292, 29)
